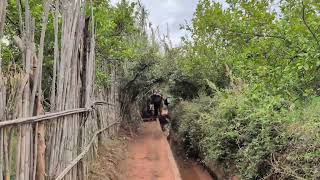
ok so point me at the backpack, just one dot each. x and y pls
(157, 99)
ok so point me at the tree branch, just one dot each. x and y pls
(14, 24)
(140, 71)
(306, 24)
(262, 35)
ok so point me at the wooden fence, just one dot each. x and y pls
(80, 141)
(54, 137)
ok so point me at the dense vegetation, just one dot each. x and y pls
(66, 55)
(121, 40)
(249, 77)
(252, 70)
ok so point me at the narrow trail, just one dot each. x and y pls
(149, 156)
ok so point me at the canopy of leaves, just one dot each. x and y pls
(256, 65)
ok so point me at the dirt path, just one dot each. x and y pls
(149, 156)
(146, 156)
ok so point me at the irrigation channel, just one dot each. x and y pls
(190, 170)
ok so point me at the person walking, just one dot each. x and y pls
(156, 100)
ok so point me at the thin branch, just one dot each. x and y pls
(261, 35)
(140, 72)
(306, 24)
(56, 57)
(14, 24)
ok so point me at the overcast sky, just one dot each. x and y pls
(171, 12)
(174, 13)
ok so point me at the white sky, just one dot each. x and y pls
(174, 13)
(171, 12)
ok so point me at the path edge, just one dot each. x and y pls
(172, 161)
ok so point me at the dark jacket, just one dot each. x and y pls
(156, 99)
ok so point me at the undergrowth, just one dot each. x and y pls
(264, 136)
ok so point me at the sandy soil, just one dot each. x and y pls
(149, 156)
(143, 156)
(107, 166)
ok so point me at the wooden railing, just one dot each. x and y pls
(84, 152)
(50, 116)
(55, 117)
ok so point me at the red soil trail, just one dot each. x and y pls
(150, 157)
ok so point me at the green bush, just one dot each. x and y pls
(260, 134)
(187, 122)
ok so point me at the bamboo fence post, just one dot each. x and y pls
(67, 127)
(25, 130)
(38, 74)
(2, 113)
(41, 147)
(2, 106)
(54, 139)
(5, 153)
(3, 7)
(1, 152)
(56, 56)
(83, 153)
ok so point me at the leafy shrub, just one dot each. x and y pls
(263, 135)
(188, 123)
